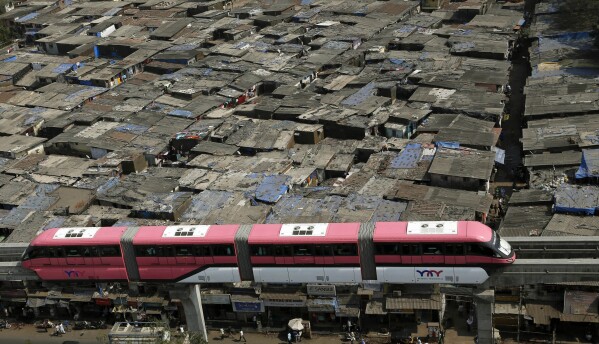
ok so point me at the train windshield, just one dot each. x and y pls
(503, 246)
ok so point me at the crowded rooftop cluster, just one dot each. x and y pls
(560, 137)
(143, 112)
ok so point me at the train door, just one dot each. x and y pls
(56, 255)
(90, 256)
(166, 256)
(303, 254)
(454, 254)
(432, 253)
(283, 255)
(202, 255)
(73, 255)
(411, 254)
(323, 255)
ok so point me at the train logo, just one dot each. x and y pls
(72, 273)
(429, 273)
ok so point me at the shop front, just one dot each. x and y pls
(217, 306)
(281, 307)
(248, 309)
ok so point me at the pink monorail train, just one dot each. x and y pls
(452, 252)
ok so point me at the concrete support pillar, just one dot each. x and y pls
(484, 316)
(192, 306)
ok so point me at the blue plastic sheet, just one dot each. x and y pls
(589, 166)
(408, 157)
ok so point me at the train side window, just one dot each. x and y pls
(346, 250)
(388, 249)
(432, 249)
(73, 251)
(201, 251)
(56, 252)
(454, 249)
(283, 251)
(302, 250)
(479, 250)
(222, 250)
(411, 250)
(145, 251)
(109, 251)
(183, 251)
(165, 251)
(38, 252)
(324, 250)
(262, 250)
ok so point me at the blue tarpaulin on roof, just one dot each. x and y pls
(574, 199)
(203, 203)
(62, 68)
(10, 59)
(272, 188)
(408, 157)
(589, 166)
(183, 47)
(181, 113)
(444, 144)
(132, 128)
(27, 17)
(360, 96)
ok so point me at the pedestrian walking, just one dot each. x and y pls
(418, 340)
(289, 337)
(300, 336)
(469, 322)
(61, 328)
(241, 336)
(222, 334)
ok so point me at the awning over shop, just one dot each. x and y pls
(583, 318)
(375, 308)
(35, 302)
(322, 305)
(401, 303)
(543, 313)
(81, 298)
(283, 296)
(348, 311)
(283, 299)
(509, 308)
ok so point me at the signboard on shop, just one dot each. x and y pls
(284, 303)
(321, 290)
(248, 306)
(216, 299)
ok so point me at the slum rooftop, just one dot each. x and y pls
(145, 112)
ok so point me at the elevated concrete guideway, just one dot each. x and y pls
(13, 271)
(544, 271)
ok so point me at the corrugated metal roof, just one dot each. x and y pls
(375, 307)
(394, 303)
(283, 296)
(542, 313)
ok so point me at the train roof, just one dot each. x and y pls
(75, 236)
(308, 233)
(186, 234)
(432, 231)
